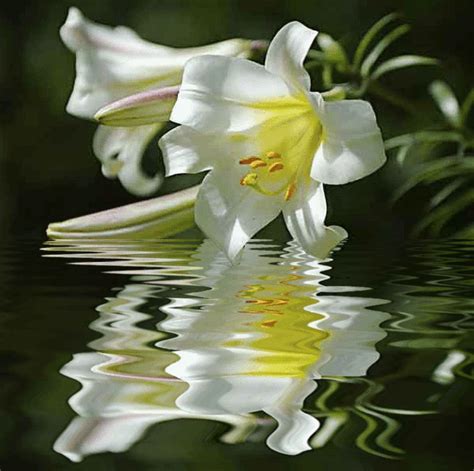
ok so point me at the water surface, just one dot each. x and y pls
(163, 355)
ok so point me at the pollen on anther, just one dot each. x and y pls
(275, 167)
(258, 163)
(273, 155)
(249, 179)
(290, 190)
(249, 160)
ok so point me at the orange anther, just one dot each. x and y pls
(275, 167)
(248, 160)
(273, 155)
(258, 163)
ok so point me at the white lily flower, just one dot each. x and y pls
(113, 63)
(269, 143)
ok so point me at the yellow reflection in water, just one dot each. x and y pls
(249, 338)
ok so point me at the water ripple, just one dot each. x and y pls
(270, 342)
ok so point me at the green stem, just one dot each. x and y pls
(336, 93)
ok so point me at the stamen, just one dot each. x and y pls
(273, 155)
(290, 190)
(249, 160)
(258, 163)
(275, 167)
(249, 180)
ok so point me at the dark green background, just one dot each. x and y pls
(48, 171)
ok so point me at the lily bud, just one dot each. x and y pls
(157, 217)
(149, 107)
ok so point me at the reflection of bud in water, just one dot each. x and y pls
(254, 340)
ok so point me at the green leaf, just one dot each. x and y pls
(467, 105)
(439, 217)
(439, 169)
(333, 51)
(447, 102)
(401, 62)
(380, 48)
(447, 191)
(157, 217)
(402, 154)
(317, 56)
(370, 35)
(421, 137)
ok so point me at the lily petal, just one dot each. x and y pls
(287, 53)
(230, 214)
(225, 94)
(149, 107)
(187, 151)
(304, 215)
(158, 217)
(352, 145)
(120, 150)
(112, 63)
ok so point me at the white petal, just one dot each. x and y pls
(230, 214)
(112, 63)
(120, 150)
(219, 94)
(352, 145)
(305, 213)
(187, 151)
(286, 54)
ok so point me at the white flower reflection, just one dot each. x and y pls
(256, 340)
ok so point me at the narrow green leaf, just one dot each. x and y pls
(467, 105)
(466, 233)
(437, 170)
(317, 56)
(447, 102)
(401, 62)
(380, 48)
(422, 136)
(370, 35)
(402, 154)
(447, 191)
(438, 218)
(333, 51)
(157, 217)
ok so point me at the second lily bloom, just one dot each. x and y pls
(113, 63)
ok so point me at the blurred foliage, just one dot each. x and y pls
(47, 168)
(421, 154)
(442, 159)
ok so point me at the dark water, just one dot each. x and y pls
(161, 355)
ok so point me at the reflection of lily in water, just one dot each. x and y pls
(255, 341)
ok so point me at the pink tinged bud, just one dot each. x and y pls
(149, 107)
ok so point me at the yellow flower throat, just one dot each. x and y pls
(287, 141)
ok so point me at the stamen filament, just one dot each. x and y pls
(290, 190)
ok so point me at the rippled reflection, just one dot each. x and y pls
(266, 346)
